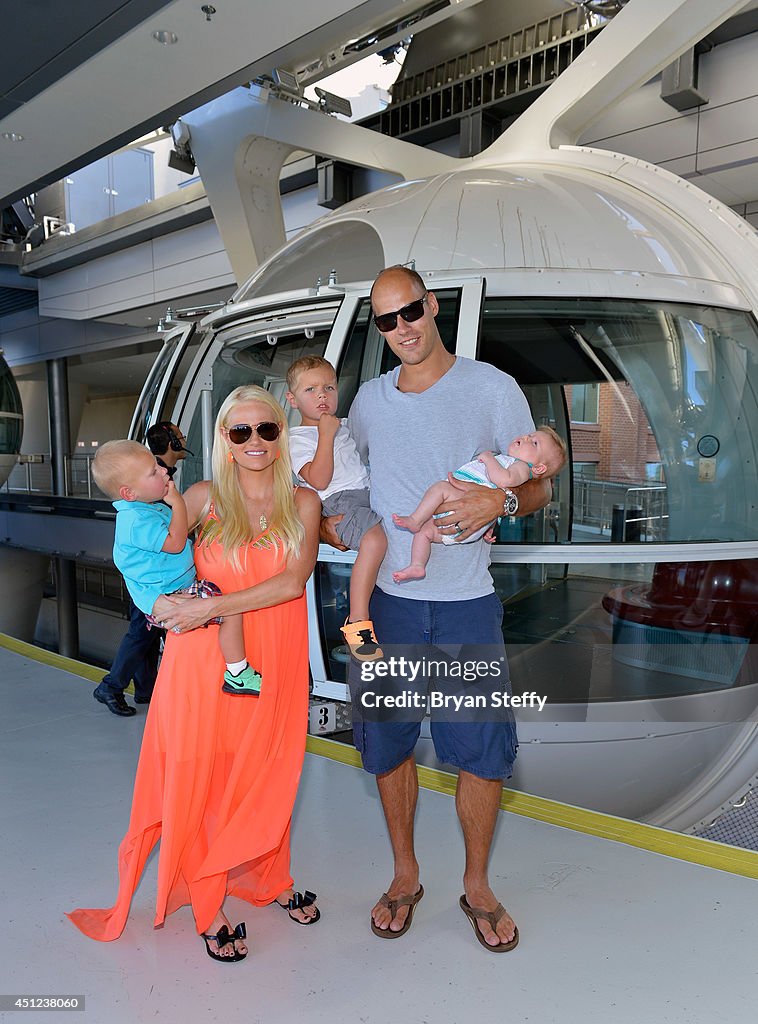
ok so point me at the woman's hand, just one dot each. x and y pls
(181, 613)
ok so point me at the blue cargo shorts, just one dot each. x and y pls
(485, 748)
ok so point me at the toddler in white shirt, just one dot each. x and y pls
(325, 458)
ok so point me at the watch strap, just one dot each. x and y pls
(510, 505)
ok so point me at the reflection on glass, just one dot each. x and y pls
(146, 412)
(619, 632)
(640, 384)
(333, 602)
(586, 634)
(260, 353)
(11, 418)
(11, 431)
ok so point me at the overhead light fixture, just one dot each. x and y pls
(13, 137)
(181, 161)
(165, 37)
(285, 86)
(393, 28)
(286, 79)
(180, 157)
(604, 8)
(332, 104)
(388, 54)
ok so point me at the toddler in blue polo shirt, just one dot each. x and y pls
(152, 550)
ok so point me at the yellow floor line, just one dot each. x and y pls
(579, 819)
(77, 668)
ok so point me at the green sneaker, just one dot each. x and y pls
(248, 681)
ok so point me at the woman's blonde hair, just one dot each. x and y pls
(231, 523)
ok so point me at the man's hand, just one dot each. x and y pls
(478, 505)
(328, 532)
(328, 425)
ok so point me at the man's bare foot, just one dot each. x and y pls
(303, 914)
(410, 572)
(483, 897)
(230, 948)
(402, 885)
(406, 523)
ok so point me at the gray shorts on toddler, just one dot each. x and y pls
(355, 506)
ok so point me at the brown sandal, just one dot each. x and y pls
(492, 916)
(393, 906)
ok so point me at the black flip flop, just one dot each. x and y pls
(297, 902)
(222, 938)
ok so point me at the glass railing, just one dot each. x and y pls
(34, 475)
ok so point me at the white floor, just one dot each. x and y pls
(608, 933)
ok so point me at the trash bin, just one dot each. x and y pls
(624, 517)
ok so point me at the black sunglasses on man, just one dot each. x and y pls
(387, 322)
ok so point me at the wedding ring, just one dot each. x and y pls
(175, 629)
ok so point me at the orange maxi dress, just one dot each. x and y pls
(218, 773)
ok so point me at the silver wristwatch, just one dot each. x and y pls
(510, 505)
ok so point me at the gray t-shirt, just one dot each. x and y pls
(412, 440)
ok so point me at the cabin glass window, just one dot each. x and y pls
(661, 398)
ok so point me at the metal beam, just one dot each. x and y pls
(60, 429)
(639, 42)
(240, 143)
(67, 607)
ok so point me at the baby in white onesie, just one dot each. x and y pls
(541, 453)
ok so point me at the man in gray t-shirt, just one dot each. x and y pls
(412, 426)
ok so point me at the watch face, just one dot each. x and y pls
(510, 508)
(708, 446)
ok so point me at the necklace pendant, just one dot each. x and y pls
(263, 523)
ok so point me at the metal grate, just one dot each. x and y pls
(501, 77)
(12, 300)
(737, 826)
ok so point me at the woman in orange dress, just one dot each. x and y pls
(218, 772)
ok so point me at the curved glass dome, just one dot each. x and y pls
(11, 421)
(351, 249)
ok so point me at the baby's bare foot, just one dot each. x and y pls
(411, 572)
(405, 523)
